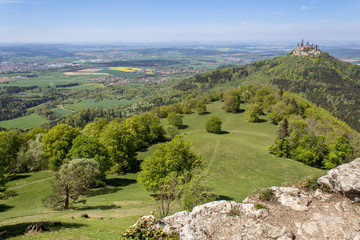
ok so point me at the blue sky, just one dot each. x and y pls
(172, 20)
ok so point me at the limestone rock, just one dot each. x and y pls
(344, 179)
(292, 197)
(292, 213)
(216, 220)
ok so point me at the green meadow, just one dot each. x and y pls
(26, 122)
(51, 79)
(237, 163)
(60, 112)
(237, 160)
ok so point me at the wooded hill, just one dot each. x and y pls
(322, 79)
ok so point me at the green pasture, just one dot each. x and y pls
(51, 79)
(87, 86)
(111, 209)
(237, 162)
(26, 122)
(60, 112)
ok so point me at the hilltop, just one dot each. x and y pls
(322, 79)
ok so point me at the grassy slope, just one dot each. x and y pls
(237, 162)
(120, 204)
(26, 122)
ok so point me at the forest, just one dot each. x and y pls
(322, 79)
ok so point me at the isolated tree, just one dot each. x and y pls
(231, 104)
(57, 144)
(175, 120)
(73, 180)
(171, 157)
(88, 147)
(213, 125)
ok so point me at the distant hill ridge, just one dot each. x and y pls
(322, 79)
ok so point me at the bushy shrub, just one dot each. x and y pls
(145, 229)
(213, 125)
(175, 120)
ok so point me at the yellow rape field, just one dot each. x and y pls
(125, 69)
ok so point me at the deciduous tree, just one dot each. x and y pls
(171, 157)
(88, 147)
(175, 120)
(73, 180)
(57, 144)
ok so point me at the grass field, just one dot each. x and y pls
(237, 160)
(104, 103)
(237, 163)
(26, 122)
(60, 112)
(111, 210)
(50, 79)
(87, 86)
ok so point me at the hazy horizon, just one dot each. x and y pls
(139, 21)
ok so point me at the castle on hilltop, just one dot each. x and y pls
(306, 49)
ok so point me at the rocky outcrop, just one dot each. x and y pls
(344, 179)
(290, 213)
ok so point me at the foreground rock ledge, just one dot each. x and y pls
(292, 213)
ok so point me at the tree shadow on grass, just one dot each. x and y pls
(204, 113)
(113, 185)
(4, 207)
(101, 191)
(223, 197)
(19, 176)
(119, 182)
(101, 207)
(261, 120)
(224, 132)
(19, 229)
